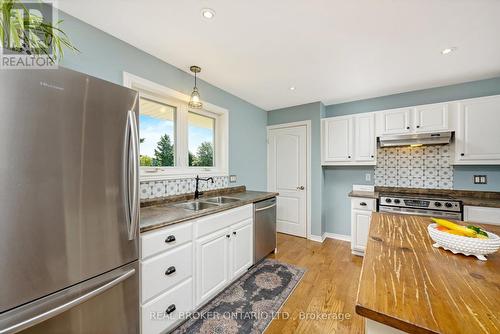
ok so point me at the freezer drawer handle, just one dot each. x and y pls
(170, 309)
(170, 271)
(170, 238)
(266, 207)
(31, 315)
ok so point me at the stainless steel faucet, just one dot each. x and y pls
(198, 179)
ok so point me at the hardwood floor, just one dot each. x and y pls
(328, 288)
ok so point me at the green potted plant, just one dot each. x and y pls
(27, 33)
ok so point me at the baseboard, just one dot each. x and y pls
(316, 238)
(325, 235)
(336, 236)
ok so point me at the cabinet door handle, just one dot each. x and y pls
(234, 232)
(362, 203)
(418, 126)
(228, 236)
(349, 157)
(170, 238)
(372, 156)
(300, 188)
(170, 309)
(407, 128)
(170, 271)
(462, 154)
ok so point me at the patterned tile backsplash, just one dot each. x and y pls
(415, 167)
(155, 189)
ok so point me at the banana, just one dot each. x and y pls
(452, 226)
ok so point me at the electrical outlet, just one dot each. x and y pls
(232, 178)
(480, 179)
(368, 177)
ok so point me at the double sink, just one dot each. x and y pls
(207, 203)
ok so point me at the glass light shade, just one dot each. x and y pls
(195, 101)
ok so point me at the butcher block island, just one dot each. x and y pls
(407, 285)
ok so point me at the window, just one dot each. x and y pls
(157, 131)
(201, 140)
(176, 141)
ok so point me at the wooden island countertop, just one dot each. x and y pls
(407, 284)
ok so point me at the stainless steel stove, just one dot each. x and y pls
(421, 205)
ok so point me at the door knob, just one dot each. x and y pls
(300, 188)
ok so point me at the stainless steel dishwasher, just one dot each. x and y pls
(264, 236)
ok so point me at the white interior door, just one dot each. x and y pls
(287, 175)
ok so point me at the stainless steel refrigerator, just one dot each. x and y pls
(69, 204)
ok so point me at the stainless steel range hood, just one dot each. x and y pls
(417, 139)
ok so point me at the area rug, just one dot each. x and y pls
(249, 304)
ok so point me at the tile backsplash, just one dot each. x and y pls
(415, 167)
(155, 189)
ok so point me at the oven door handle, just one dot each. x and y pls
(421, 214)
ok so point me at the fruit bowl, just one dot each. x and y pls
(464, 245)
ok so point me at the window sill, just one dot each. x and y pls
(153, 174)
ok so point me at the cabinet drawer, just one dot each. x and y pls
(165, 239)
(154, 317)
(154, 278)
(221, 220)
(363, 203)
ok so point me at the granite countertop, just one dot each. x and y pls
(408, 284)
(468, 197)
(160, 215)
(364, 194)
(477, 201)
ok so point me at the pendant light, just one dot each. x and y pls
(195, 101)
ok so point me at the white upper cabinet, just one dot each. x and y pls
(425, 118)
(349, 140)
(432, 117)
(365, 141)
(478, 135)
(338, 139)
(395, 121)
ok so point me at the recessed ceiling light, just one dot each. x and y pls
(208, 13)
(448, 50)
(292, 88)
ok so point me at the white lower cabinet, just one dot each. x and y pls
(212, 269)
(479, 214)
(168, 309)
(361, 214)
(241, 248)
(186, 264)
(225, 254)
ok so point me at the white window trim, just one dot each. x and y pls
(152, 90)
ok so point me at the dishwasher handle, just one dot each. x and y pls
(266, 207)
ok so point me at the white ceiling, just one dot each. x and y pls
(330, 50)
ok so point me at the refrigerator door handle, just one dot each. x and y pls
(132, 174)
(51, 306)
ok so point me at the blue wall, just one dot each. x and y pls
(107, 57)
(336, 203)
(463, 176)
(312, 112)
(339, 180)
